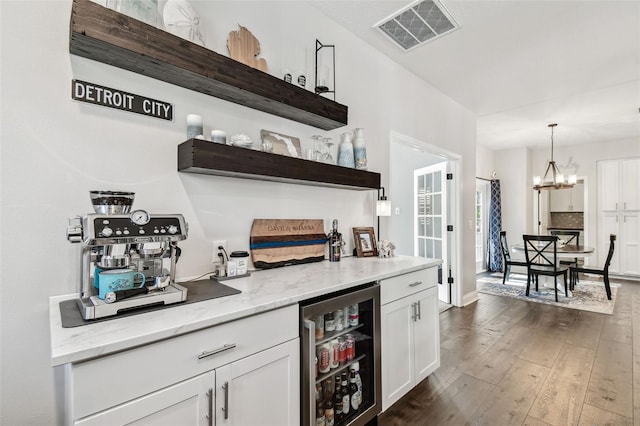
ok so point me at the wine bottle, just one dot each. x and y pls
(335, 242)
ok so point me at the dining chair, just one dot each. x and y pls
(506, 257)
(569, 238)
(604, 271)
(541, 252)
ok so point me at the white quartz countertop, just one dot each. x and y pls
(264, 290)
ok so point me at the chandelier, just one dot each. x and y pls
(552, 178)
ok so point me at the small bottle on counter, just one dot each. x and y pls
(335, 242)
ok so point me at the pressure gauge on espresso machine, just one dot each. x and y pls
(140, 217)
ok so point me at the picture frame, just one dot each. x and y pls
(282, 144)
(365, 242)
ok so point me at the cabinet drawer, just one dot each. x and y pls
(403, 285)
(104, 382)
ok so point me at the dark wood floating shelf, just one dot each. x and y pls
(200, 156)
(110, 37)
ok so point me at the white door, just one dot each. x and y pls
(430, 219)
(629, 188)
(629, 243)
(609, 225)
(396, 351)
(426, 334)
(262, 389)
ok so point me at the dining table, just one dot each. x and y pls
(571, 251)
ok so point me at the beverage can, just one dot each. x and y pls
(353, 315)
(345, 315)
(324, 357)
(350, 347)
(343, 351)
(334, 360)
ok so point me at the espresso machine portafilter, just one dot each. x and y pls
(115, 238)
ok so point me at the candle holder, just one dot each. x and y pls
(325, 81)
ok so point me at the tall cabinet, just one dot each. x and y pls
(619, 214)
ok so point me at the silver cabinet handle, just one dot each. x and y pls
(417, 283)
(419, 310)
(217, 351)
(414, 315)
(209, 416)
(225, 387)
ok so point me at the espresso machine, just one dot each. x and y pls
(116, 238)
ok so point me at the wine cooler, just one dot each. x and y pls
(340, 339)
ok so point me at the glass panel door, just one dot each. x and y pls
(430, 218)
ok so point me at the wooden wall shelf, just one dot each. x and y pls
(200, 156)
(110, 37)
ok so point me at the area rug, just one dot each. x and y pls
(587, 295)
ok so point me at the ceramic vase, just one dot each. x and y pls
(345, 151)
(359, 149)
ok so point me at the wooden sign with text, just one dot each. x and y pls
(118, 99)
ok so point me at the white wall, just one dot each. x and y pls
(485, 163)
(511, 166)
(54, 150)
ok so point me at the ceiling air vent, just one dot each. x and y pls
(417, 24)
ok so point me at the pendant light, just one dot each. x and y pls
(552, 178)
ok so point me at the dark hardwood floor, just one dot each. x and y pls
(510, 362)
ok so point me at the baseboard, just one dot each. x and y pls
(470, 298)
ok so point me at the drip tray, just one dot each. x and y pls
(197, 291)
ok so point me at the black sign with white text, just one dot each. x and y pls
(113, 98)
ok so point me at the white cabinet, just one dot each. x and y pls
(185, 403)
(410, 333)
(567, 200)
(245, 372)
(619, 214)
(626, 227)
(256, 390)
(262, 389)
(618, 187)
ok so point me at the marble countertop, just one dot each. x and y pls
(264, 290)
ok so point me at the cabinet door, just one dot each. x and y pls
(426, 330)
(609, 225)
(261, 389)
(186, 403)
(629, 243)
(608, 184)
(397, 348)
(629, 188)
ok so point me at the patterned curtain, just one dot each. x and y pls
(494, 257)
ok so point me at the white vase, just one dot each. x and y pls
(345, 151)
(359, 149)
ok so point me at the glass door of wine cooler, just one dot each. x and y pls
(340, 338)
